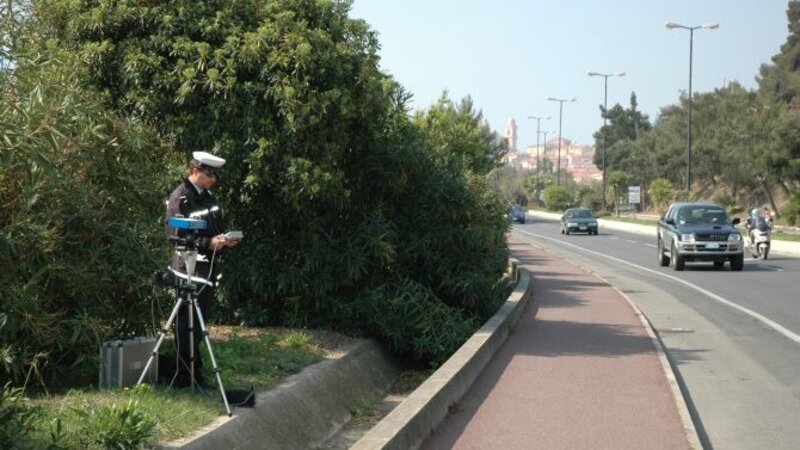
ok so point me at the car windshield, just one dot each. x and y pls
(579, 214)
(703, 214)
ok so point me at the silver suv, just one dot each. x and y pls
(699, 232)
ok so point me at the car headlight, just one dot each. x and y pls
(572, 224)
(687, 237)
(734, 237)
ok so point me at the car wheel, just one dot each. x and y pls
(737, 263)
(663, 260)
(566, 231)
(676, 259)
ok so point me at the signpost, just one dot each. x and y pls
(634, 195)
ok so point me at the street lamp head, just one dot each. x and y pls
(672, 25)
(711, 26)
(539, 117)
(598, 74)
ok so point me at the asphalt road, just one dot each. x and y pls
(732, 337)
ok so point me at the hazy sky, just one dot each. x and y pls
(511, 55)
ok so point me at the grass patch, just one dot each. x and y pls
(626, 219)
(89, 418)
(781, 236)
(261, 357)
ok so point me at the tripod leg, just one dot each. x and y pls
(164, 331)
(204, 330)
(192, 355)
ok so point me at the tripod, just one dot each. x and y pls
(187, 294)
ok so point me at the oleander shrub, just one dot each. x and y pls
(17, 419)
(791, 211)
(81, 192)
(557, 198)
(341, 196)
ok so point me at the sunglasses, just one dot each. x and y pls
(209, 172)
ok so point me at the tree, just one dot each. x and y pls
(624, 127)
(661, 194)
(779, 91)
(557, 198)
(618, 182)
(780, 81)
(458, 133)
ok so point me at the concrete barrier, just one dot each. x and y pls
(790, 248)
(411, 422)
(306, 409)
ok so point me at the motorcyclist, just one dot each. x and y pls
(760, 220)
(767, 216)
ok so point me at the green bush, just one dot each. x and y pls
(791, 213)
(81, 191)
(661, 194)
(116, 427)
(16, 419)
(338, 192)
(557, 198)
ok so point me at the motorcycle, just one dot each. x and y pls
(759, 230)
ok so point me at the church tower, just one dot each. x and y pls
(511, 135)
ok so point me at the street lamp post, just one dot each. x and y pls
(709, 26)
(560, 114)
(605, 116)
(544, 145)
(538, 122)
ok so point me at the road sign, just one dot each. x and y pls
(634, 194)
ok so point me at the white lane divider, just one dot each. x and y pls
(763, 319)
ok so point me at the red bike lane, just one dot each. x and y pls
(579, 372)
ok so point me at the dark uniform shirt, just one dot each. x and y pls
(184, 201)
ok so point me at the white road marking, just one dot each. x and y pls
(631, 241)
(763, 319)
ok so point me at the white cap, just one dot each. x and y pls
(207, 159)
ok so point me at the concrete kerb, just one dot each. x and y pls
(307, 408)
(411, 422)
(783, 247)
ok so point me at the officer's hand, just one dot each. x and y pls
(217, 243)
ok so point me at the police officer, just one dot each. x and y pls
(193, 199)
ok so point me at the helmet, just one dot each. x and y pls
(754, 211)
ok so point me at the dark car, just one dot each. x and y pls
(516, 214)
(698, 232)
(578, 220)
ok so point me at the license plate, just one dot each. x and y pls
(583, 228)
(712, 245)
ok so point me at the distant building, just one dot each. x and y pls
(511, 135)
(575, 159)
